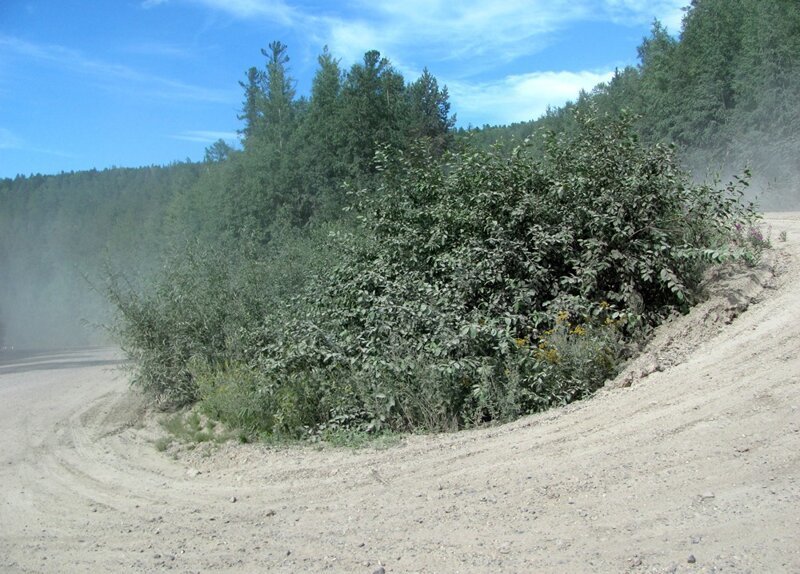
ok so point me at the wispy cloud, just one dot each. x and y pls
(521, 97)
(470, 38)
(474, 29)
(8, 140)
(276, 10)
(485, 33)
(206, 136)
(669, 12)
(435, 30)
(161, 50)
(106, 73)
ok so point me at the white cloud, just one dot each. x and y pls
(116, 77)
(520, 97)
(207, 136)
(469, 38)
(669, 12)
(350, 40)
(485, 33)
(275, 10)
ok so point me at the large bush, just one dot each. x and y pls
(475, 289)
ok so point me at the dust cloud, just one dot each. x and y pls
(44, 306)
(774, 165)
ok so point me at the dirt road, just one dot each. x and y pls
(694, 467)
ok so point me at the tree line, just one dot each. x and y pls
(298, 152)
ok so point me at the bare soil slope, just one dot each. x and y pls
(688, 462)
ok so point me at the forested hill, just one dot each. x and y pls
(58, 233)
(725, 91)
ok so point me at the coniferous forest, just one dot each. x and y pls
(361, 265)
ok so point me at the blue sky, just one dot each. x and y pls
(88, 83)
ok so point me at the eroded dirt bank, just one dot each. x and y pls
(693, 467)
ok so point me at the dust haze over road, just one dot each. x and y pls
(693, 467)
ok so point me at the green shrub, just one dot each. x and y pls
(206, 306)
(190, 428)
(473, 290)
(459, 261)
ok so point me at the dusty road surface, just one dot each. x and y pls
(688, 462)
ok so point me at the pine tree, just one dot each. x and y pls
(428, 113)
(321, 139)
(372, 107)
(279, 96)
(658, 79)
(252, 107)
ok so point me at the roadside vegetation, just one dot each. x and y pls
(361, 268)
(469, 289)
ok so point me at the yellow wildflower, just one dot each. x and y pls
(551, 356)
